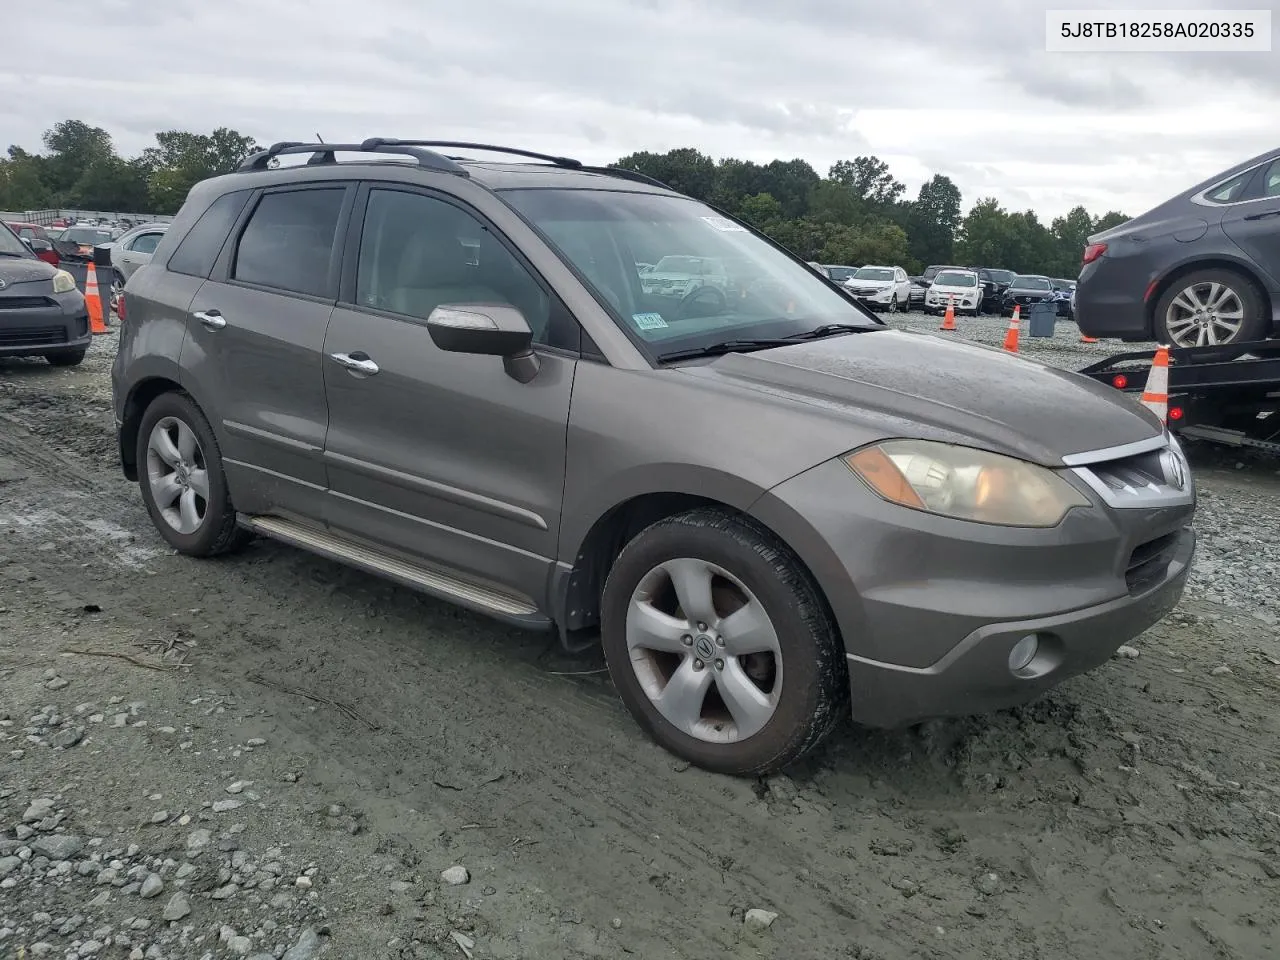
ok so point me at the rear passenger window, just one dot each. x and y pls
(289, 239)
(200, 247)
(1271, 183)
(1229, 192)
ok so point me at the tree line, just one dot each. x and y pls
(857, 214)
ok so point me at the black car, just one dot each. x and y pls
(933, 270)
(915, 296)
(994, 283)
(1024, 290)
(42, 313)
(1200, 269)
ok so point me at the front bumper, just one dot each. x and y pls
(940, 303)
(34, 324)
(930, 608)
(876, 301)
(975, 676)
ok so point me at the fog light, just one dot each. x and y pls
(1023, 652)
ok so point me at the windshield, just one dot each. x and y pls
(10, 245)
(754, 291)
(950, 279)
(1032, 283)
(86, 235)
(840, 274)
(873, 273)
(1001, 276)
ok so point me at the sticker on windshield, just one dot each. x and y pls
(649, 321)
(725, 225)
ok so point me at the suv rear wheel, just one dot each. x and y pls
(183, 486)
(720, 644)
(1207, 308)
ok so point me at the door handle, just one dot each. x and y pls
(1260, 216)
(357, 364)
(212, 319)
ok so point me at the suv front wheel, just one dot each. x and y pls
(720, 644)
(180, 473)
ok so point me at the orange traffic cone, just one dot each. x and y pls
(93, 300)
(949, 318)
(1155, 396)
(1011, 335)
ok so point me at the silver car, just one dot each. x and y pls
(131, 251)
(771, 510)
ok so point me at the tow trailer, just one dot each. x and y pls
(1224, 394)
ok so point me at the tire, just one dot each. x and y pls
(217, 532)
(1253, 324)
(809, 685)
(893, 305)
(66, 358)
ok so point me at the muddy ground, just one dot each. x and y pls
(273, 753)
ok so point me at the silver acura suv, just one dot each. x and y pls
(772, 510)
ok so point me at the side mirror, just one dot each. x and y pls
(486, 329)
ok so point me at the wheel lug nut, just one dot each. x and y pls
(719, 641)
(687, 640)
(698, 664)
(719, 664)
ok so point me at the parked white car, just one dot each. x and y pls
(881, 288)
(959, 287)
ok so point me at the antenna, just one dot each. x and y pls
(320, 138)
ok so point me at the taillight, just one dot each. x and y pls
(1119, 381)
(1093, 251)
(1175, 413)
(120, 306)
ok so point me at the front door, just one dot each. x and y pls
(443, 455)
(253, 353)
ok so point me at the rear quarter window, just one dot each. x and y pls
(198, 250)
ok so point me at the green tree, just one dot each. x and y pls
(760, 210)
(1070, 235)
(1108, 220)
(869, 179)
(72, 148)
(683, 169)
(933, 221)
(22, 185)
(180, 160)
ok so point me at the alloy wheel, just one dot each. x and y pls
(704, 650)
(1205, 314)
(177, 475)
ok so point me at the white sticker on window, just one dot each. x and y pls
(649, 321)
(725, 225)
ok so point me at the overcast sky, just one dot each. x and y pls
(964, 89)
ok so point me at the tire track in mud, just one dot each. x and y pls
(874, 847)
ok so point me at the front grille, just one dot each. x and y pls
(32, 336)
(25, 303)
(1149, 562)
(1152, 478)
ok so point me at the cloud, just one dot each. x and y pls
(961, 89)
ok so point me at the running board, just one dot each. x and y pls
(437, 583)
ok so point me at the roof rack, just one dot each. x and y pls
(624, 174)
(324, 153)
(566, 162)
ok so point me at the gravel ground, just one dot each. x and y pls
(273, 756)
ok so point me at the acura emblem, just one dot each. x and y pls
(1174, 470)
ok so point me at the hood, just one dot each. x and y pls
(25, 269)
(859, 282)
(920, 385)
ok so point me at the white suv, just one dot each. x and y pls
(959, 287)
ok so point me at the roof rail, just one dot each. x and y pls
(566, 162)
(324, 153)
(625, 174)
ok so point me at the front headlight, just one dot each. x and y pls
(63, 282)
(965, 483)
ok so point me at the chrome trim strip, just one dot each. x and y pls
(259, 434)
(1202, 199)
(1116, 453)
(273, 473)
(444, 491)
(444, 528)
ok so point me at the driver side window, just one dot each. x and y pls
(418, 252)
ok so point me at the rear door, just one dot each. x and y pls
(254, 345)
(443, 455)
(1254, 225)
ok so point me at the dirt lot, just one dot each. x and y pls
(271, 755)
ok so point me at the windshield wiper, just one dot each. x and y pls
(830, 330)
(725, 346)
